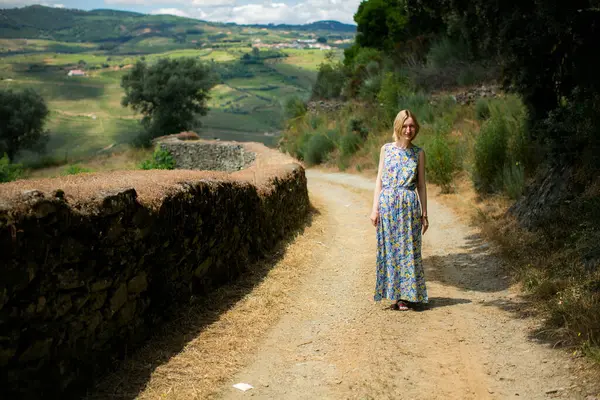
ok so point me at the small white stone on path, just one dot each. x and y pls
(243, 386)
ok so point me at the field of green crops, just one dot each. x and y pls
(86, 113)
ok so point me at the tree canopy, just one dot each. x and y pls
(546, 51)
(22, 118)
(171, 94)
(380, 23)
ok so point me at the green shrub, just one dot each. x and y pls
(490, 154)
(418, 104)
(442, 162)
(503, 148)
(511, 113)
(366, 55)
(357, 126)
(513, 177)
(343, 163)
(9, 172)
(294, 107)
(334, 135)
(317, 148)
(295, 143)
(161, 159)
(392, 87)
(75, 169)
(446, 51)
(349, 143)
(315, 121)
(519, 142)
(370, 88)
(426, 109)
(482, 109)
(330, 80)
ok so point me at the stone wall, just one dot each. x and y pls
(481, 92)
(85, 280)
(208, 156)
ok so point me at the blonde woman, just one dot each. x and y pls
(400, 215)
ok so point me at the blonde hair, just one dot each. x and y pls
(399, 122)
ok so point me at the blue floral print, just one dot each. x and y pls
(400, 273)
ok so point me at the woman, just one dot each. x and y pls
(401, 217)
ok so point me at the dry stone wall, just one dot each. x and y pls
(208, 156)
(82, 285)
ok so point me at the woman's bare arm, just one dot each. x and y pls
(422, 188)
(375, 210)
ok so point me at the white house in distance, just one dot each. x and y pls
(76, 72)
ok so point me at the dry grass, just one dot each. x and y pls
(122, 160)
(205, 345)
(86, 191)
(546, 263)
(470, 206)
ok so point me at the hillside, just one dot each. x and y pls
(39, 45)
(334, 26)
(115, 30)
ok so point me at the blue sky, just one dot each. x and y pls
(239, 11)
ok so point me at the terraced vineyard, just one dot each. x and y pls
(86, 113)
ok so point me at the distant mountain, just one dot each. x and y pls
(71, 25)
(333, 26)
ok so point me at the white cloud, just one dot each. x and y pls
(171, 11)
(279, 12)
(23, 3)
(189, 3)
(239, 11)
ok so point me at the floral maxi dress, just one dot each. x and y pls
(400, 273)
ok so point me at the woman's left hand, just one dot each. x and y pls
(425, 224)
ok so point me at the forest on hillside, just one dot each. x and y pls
(120, 31)
(68, 65)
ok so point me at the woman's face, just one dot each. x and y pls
(409, 129)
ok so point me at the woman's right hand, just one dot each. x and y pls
(374, 218)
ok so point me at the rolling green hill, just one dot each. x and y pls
(39, 45)
(129, 32)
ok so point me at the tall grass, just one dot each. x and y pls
(558, 265)
(318, 147)
(349, 143)
(502, 152)
(490, 154)
(442, 161)
(75, 169)
(482, 109)
(513, 177)
(9, 172)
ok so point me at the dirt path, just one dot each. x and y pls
(334, 342)
(304, 326)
